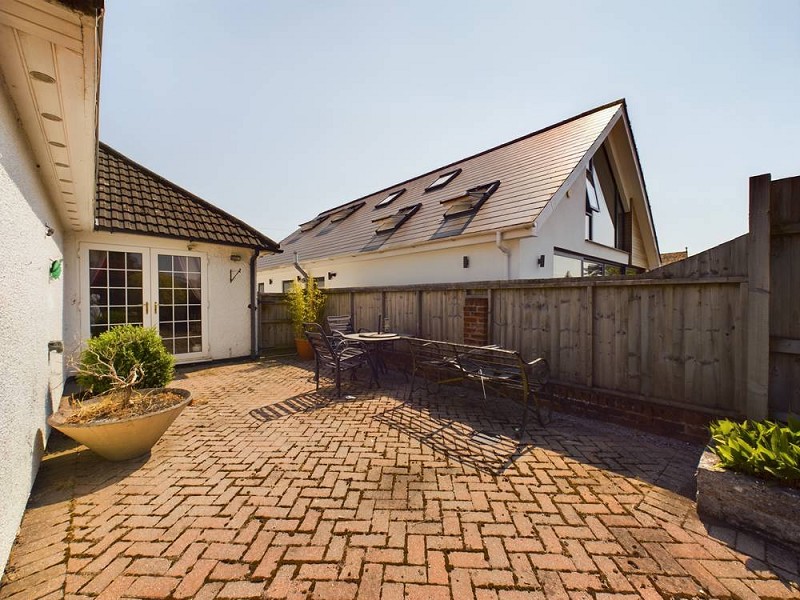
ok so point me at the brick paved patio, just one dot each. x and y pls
(265, 488)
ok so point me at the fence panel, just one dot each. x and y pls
(443, 314)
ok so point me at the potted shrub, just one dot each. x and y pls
(750, 476)
(306, 305)
(124, 371)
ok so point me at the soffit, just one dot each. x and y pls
(57, 105)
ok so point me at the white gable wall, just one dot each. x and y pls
(30, 317)
(227, 331)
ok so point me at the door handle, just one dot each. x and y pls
(155, 308)
(147, 308)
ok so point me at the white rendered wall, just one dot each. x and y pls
(443, 265)
(227, 330)
(30, 316)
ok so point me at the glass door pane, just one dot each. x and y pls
(116, 289)
(179, 315)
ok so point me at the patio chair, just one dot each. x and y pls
(346, 355)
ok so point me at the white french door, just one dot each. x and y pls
(150, 287)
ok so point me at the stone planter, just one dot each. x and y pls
(121, 439)
(746, 501)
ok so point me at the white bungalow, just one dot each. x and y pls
(90, 239)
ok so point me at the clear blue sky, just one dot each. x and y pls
(275, 111)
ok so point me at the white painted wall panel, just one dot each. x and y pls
(30, 316)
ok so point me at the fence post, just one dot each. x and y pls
(758, 274)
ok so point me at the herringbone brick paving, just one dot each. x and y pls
(264, 488)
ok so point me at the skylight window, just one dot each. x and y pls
(341, 214)
(309, 225)
(393, 222)
(443, 180)
(390, 198)
(470, 202)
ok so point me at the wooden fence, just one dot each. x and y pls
(690, 334)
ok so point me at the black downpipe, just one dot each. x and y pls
(254, 306)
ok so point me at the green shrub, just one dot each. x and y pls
(762, 448)
(126, 352)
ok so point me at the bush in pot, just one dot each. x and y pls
(306, 304)
(128, 367)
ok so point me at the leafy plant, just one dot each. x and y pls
(124, 358)
(306, 304)
(762, 448)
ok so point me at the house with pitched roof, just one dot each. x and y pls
(568, 200)
(91, 239)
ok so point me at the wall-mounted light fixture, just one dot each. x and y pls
(191, 245)
(465, 262)
(48, 231)
(270, 281)
(540, 260)
(331, 275)
(236, 257)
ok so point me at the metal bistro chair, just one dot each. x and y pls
(345, 356)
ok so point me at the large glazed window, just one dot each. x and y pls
(180, 321)
(115, 289)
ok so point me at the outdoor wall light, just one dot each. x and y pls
(43, 77)
(191, 245)
(331, 275)
(465, 262)
(540, 260)
(270, 281)
(48, 231)
(236, 257)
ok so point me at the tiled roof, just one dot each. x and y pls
(530, 170)
(133, 199)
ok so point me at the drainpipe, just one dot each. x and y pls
(298, 267)
(254, 305)
(499, 243)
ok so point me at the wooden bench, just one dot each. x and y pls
(494, 368)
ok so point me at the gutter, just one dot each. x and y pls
(253, 306)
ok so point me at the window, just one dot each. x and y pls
(115, 289)
(286, 285)
(573, 265)
(260, 288)
(393, 222)
(309, 225)
(390, 198)
(605, 212)
(341, 214)
(443, 180)
(471, 201)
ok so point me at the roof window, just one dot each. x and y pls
(390, 198)
(443, 180)
(393, 222)
(470, 202)
(309, 225)
(341, 214)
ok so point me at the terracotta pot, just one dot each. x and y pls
(121, 439)
(304, 349)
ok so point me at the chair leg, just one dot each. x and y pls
(338, 381)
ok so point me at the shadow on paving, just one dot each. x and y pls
(302, 403)
(69, 470)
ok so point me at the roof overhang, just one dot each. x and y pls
(50, 61)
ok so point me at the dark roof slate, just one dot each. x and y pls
(133, 199)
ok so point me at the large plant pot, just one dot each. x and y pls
(121, 439)
(304, 349)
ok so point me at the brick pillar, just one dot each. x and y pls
(476, 321)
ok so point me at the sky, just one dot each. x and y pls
(275, 111)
